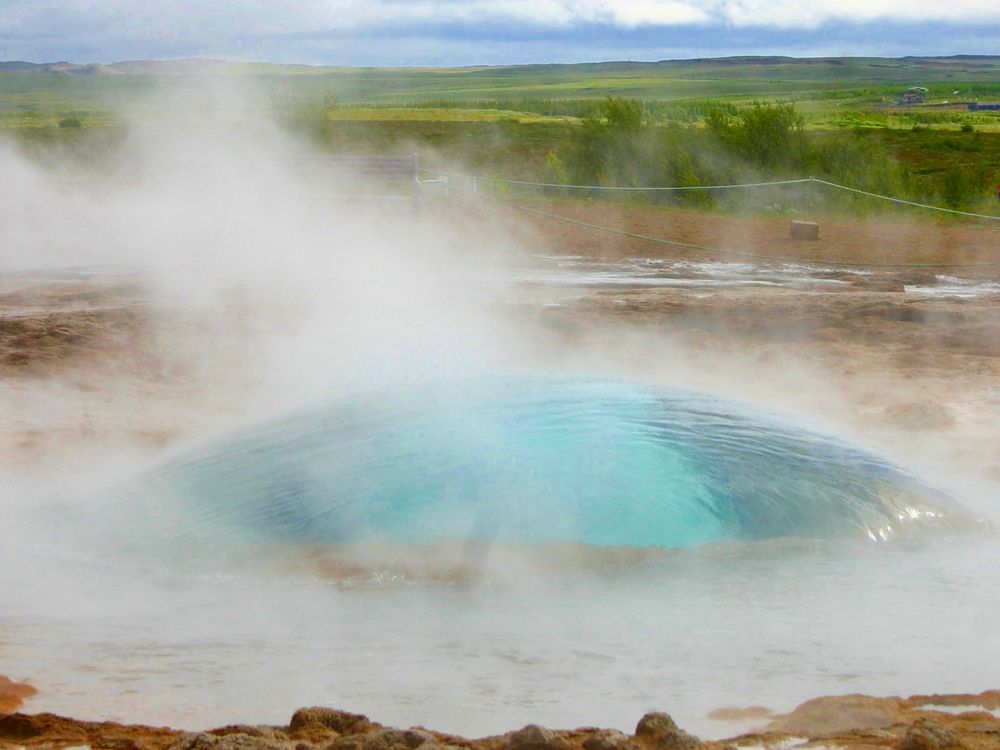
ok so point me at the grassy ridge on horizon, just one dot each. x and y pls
(830, 92)
(762, 77)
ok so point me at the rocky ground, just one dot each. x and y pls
(852, 722)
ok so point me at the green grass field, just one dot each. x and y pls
(526, 121)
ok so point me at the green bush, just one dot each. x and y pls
(309, 117)
(962, 188)
(770, 137)
(612, 145)
(555, 169)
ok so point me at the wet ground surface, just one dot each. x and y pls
(906, 362)
(581, 271)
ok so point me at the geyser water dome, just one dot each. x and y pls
(527, 460)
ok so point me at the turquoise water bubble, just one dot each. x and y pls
(530, 460)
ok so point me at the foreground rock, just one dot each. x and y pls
(660, 731)
(851, 722)
(930, 735)
(13, 694)
(317, 718)
(839, 714)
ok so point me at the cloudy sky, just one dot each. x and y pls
(462, 32)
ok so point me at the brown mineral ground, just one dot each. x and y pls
(861, 355)
(735, 714)
(883, 238)
(13, 694)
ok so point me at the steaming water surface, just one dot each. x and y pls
(524, 460)
(564, 636)
(762, 623)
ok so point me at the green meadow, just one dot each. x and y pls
(677, 122)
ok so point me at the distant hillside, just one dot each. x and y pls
(875, 69)
(17, 66)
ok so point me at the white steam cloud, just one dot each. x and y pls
(315, 281)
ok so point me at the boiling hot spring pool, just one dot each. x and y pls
(476, 555)
(526, 460)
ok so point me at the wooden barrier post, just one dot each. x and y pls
(804, 230)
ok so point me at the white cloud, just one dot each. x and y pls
(814, 13)
(277, 17)
(324, 30)
(360, 13)
(651, 12)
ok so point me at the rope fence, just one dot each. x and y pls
(901, 201)
(481, 179)
(613, 188)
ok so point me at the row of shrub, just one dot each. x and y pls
(683, 110)
(619, 144)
